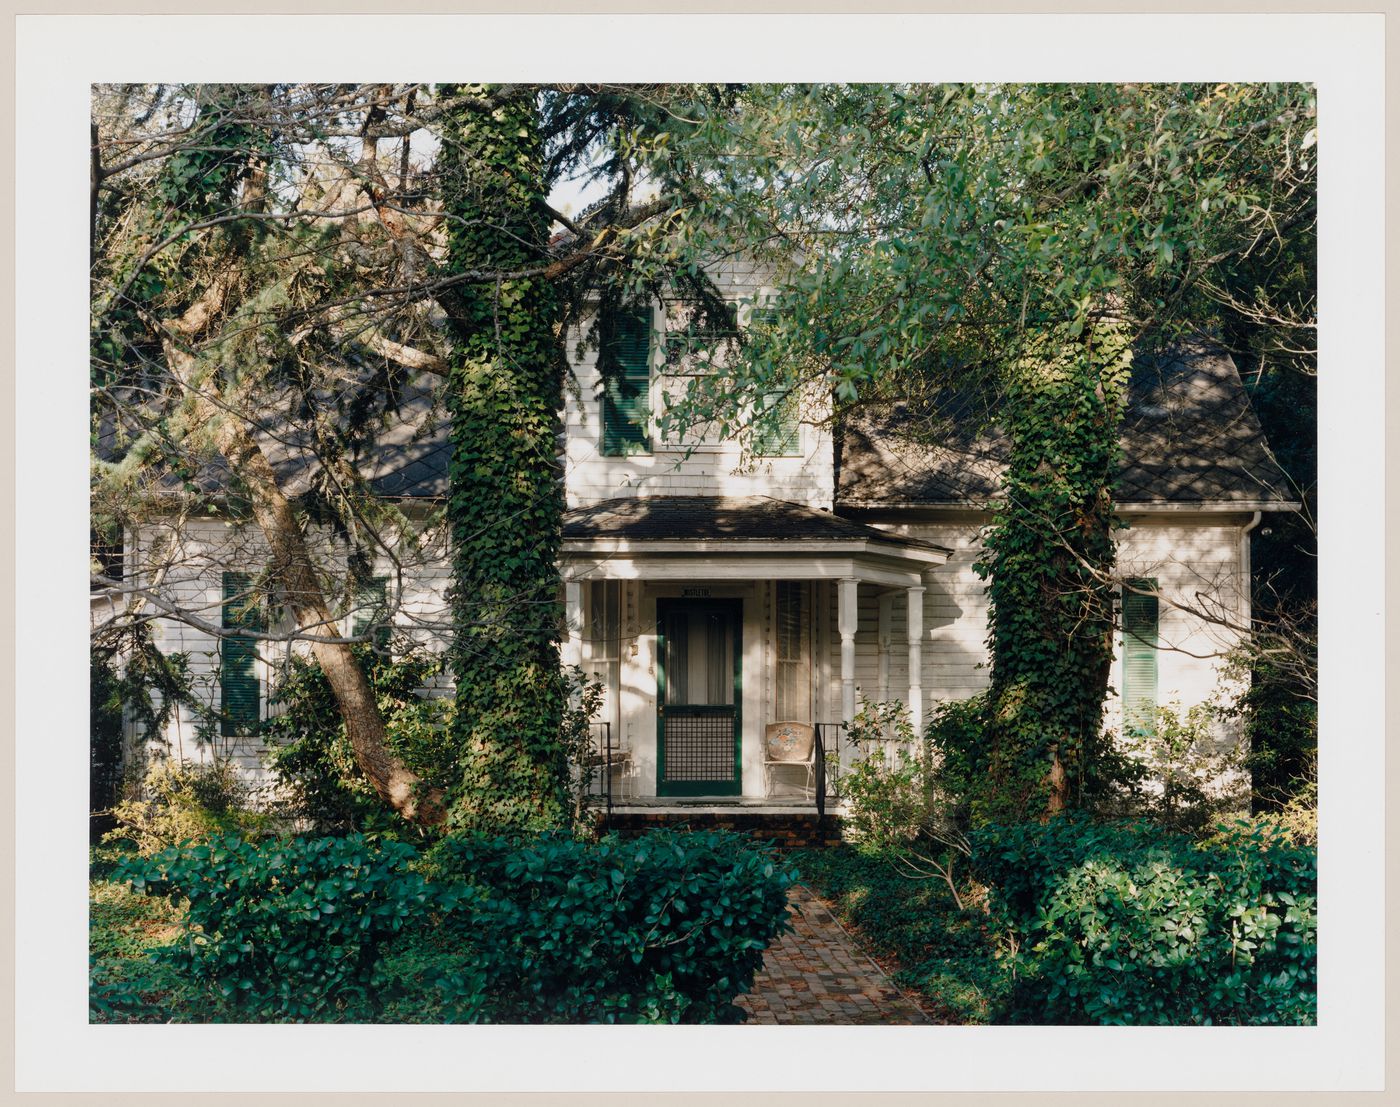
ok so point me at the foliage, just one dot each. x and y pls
(310, 754)
(1049, 560)
(505, 500)
(288, 929)
(183, 801)
(1189, 780)
(1128, 924)
(131, 681)
(942, 951)
(106, 732)
(887, 785)
(664, 928)
(1277, 713)
(921, 232)
(584, 699)
(897, 806)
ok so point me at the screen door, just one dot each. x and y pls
(698, 693)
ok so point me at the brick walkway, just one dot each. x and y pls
(816, 975)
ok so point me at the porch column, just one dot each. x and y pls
(846, 625)
(571, 652)
(886, 616)
(915, 626)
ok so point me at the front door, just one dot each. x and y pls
(698, 693)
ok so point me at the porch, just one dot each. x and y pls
(718, 627)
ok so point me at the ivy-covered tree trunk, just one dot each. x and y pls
(1050, 558)
(505, 499)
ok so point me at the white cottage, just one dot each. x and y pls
(716, 593)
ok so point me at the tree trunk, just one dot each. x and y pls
(505, 501)
(292, 567)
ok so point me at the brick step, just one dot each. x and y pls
(787, 830)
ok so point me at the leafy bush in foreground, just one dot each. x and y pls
(283, 929)
(667, 927)
(1128, 924)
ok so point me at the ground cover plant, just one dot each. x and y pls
(125, 928)
(946, 954)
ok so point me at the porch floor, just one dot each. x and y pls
(704, 805)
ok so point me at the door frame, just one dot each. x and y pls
(735, 607)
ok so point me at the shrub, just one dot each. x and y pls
(897, 807)
(184, 801)
(584, 699)
(1130, 924)
(285, 930)
(1189, 780)
(664, 928)
(310, 753)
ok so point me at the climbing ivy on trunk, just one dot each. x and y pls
(505, 499)
(1049, 562)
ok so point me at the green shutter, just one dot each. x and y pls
(371, 608)
(1140, 657)
(240, 703)
(779, 435)
(627, 395)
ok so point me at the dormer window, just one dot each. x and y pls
(692, 342)
(696, 342)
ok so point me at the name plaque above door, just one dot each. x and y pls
(696, 593)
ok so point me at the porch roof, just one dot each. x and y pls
(727, 519)
(675, 537)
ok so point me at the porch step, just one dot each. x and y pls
(786, 829)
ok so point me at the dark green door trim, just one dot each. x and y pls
(734, 608)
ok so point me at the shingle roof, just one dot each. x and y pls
(1189, 436)
(410, 459)
(739, 518)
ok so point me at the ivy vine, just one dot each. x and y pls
(1048, 559)
(505, 501)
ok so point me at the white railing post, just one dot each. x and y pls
(846, 625)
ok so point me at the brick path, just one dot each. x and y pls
(816, 975)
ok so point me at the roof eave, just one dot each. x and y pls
(923, 552)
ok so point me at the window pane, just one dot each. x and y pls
(793, 699)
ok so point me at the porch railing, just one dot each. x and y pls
(600, 763)
(832, 753)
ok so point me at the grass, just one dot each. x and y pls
(942, 952)
(124, 929)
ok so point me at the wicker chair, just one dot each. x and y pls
(786, 744)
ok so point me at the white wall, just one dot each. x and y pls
(192, 579)
(1197, 564)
